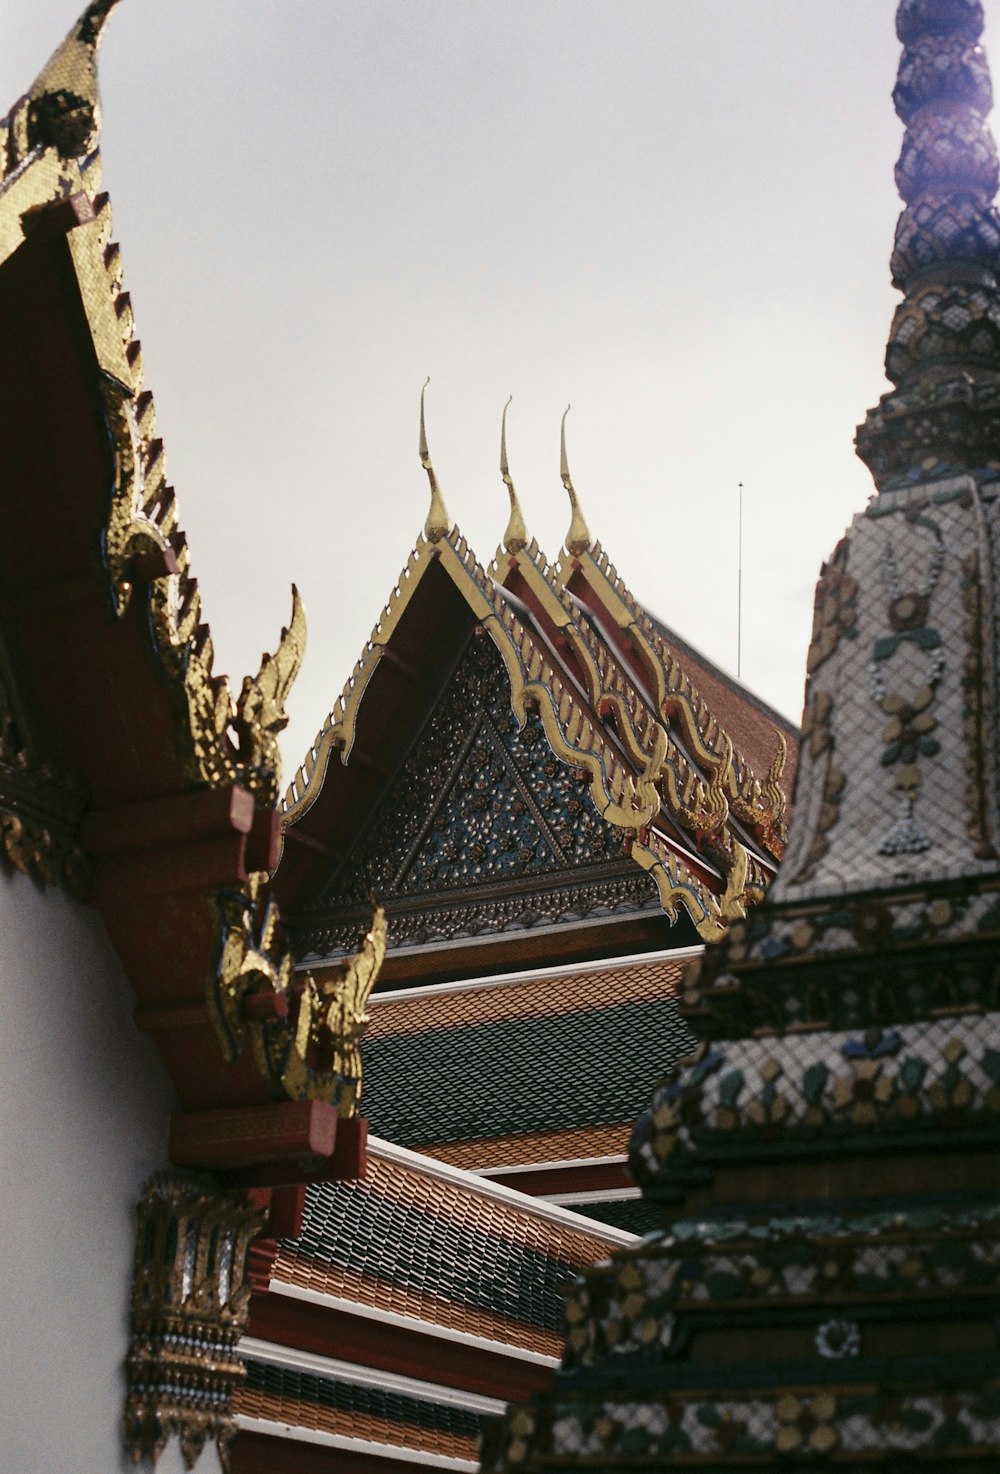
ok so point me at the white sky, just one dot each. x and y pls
(675, 214)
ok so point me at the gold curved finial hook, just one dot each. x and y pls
(516, 535)
(578, 539)
(438, 523)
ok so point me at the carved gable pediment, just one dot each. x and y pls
(480, 829)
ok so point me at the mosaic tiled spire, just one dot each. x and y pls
(895, 840)
(943, 354)
(826, 1286)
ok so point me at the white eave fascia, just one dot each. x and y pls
(336, 1370)
(598, 1195)
(617, 1159)
(410, 1323)
(531, 975)
(394, 1451)
(486, 1187)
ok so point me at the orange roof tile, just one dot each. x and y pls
(418, 1304)
(570, 993)
(483, 1212)
(529, 1147)
(301, 1413)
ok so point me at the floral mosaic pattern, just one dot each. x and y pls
(635, 1304)
(893, 774)
(835, 611)
(500, 802)
(927, 1075)
(942, 943)
(632, 1433)
(478, 802)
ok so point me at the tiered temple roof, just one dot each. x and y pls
(534, 1080)
(404, 1311)
(525, 770)
(570, 686)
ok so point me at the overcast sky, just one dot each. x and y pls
(676, 216)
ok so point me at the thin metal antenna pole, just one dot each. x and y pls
(739, 592)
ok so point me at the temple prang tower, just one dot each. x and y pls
(825, 1290)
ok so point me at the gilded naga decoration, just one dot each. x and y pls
(305, 1034)
(516, 535)
(578, 538)
(39, 811)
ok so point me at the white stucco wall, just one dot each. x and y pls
(84, 1103)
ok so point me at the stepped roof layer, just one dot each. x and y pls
(436, 1290)
(383, 1421)
(609, 752)
(827, 1285)
(748, 719)
(545, 1067)
(423, 1240)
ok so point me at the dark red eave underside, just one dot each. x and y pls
(89, 690)
(538, 1182)
(263, 1453)
(328, 1329)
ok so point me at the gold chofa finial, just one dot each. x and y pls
(578, 539)
(65, 109)
(516, 536)
(438, 523)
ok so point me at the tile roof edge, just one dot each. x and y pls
(409, 1322)
(333, 1368)
(735, 683)
(483, 1187)
(536, 974)
(397, 1451)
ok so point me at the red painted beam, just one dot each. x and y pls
(327, 1330)
(347, 1162)
(260, 1453)
(540, 1182)
(179, 818)
(241, 1136)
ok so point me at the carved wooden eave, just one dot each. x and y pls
(170, 808)
(670, 794)
(694, 791)
(757, 786)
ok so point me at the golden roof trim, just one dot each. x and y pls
(51, 128)
(224, 741)
(698, 804)
(762, 805)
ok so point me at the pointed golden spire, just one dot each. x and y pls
(516, 536)
(438, 523)
(578, 539)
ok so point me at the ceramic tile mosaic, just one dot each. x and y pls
(884, 785)
(941, 1074)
